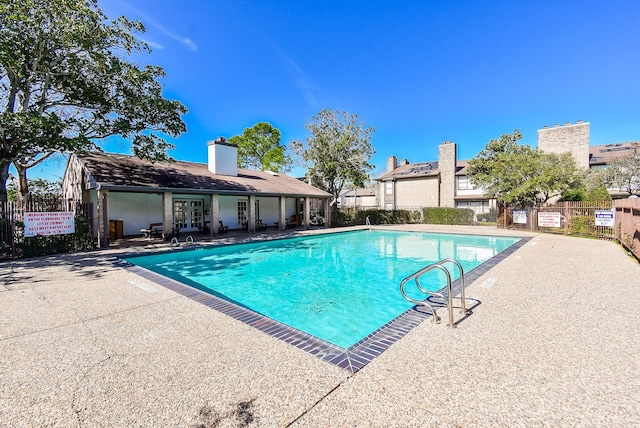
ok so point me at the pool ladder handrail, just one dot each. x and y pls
(448, 298)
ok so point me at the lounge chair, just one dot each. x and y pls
(222, 228)
(260, 225)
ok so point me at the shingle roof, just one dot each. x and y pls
(420, 169)
(116, 171)
(462, 167)
(602, 155)
(412, 170)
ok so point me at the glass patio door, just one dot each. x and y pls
(188, 213)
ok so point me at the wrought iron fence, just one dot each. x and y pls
(14, 243)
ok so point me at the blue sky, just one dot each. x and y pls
(420, 72)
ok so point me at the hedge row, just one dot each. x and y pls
(443, 215)
(427, 216)
(350, 218)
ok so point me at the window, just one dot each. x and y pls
(388, 187)
(197, 213)
(478, 207)
(242, 212)
(180, 214)
(464, 183)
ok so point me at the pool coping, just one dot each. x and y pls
(351, 359)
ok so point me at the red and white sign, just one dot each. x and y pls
(51, 223)
(549, 219)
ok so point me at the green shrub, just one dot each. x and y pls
(444, 215)
(377, 216)
(341, 218)
(582, 226)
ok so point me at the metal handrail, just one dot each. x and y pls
(448, 298)
(463, 299)
(416, 276)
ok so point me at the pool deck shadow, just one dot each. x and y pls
(552, 340)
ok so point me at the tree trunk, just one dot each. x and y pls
(4, 176)
(23, 184)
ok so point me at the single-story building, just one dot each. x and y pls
(132, 194)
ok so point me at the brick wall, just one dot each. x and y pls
(573, 138)
(422, 192)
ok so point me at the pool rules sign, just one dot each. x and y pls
(50, 223)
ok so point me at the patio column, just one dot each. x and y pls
(214, 215)
(327, 212)
(167, 214)
(282, 213)
(307, 214)
(251, 214)
(103, 222)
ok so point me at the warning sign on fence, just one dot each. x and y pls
(48, 223)
(549, 219)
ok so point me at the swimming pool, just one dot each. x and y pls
(339, 287)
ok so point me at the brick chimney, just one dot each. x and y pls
(447, 163)
(392, 163)
(223, 157)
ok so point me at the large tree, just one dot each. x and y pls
(66, 83)
(259, 148)
(516, 174)
(338, 151)
(623, 173)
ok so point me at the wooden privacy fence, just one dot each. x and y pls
(14, 244)
(612, 220)
(628, 224)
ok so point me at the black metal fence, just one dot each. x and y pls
(14, 243)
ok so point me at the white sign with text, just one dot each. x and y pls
(520, 217)
(605, 218)
(549, 219)
(48, 223)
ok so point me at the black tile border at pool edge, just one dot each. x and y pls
(351, 359)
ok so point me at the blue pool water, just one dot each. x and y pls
(339, 287)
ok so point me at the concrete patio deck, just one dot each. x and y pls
(554, 342)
